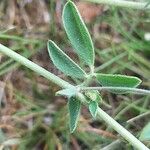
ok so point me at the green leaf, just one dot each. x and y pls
(74, 106)
(145, 134)
(78, 33)
(63, 62)
(93, 95)
(111, 80)
(93, 108)
(67, 92)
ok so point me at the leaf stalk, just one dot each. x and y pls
(101, 114)
(129, 90)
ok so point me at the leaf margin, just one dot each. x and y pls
(86, 31)
(82, 72)
(93, 105)
(74, 121)
(102, 81)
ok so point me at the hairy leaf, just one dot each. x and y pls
(67, 92)
(74, 106)
(93, 105)
(63, 62)
(111, 80)
(93, 95)
(78, 33)
(145, 134)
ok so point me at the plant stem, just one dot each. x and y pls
(121, 130)
(41, 71)
(131, 90)
(117, 127)
(29, 64)
(123, 3)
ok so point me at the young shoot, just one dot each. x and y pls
(82, 94)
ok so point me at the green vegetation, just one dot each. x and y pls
(127, 57)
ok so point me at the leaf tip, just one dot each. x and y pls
(93, 106)
(139, 81)
(72, 129)
(77, 33)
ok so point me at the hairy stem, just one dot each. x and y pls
(124, 3)
(117, 127)
(41, 71)
(129, 90)
(29, 64)
(121, 130)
